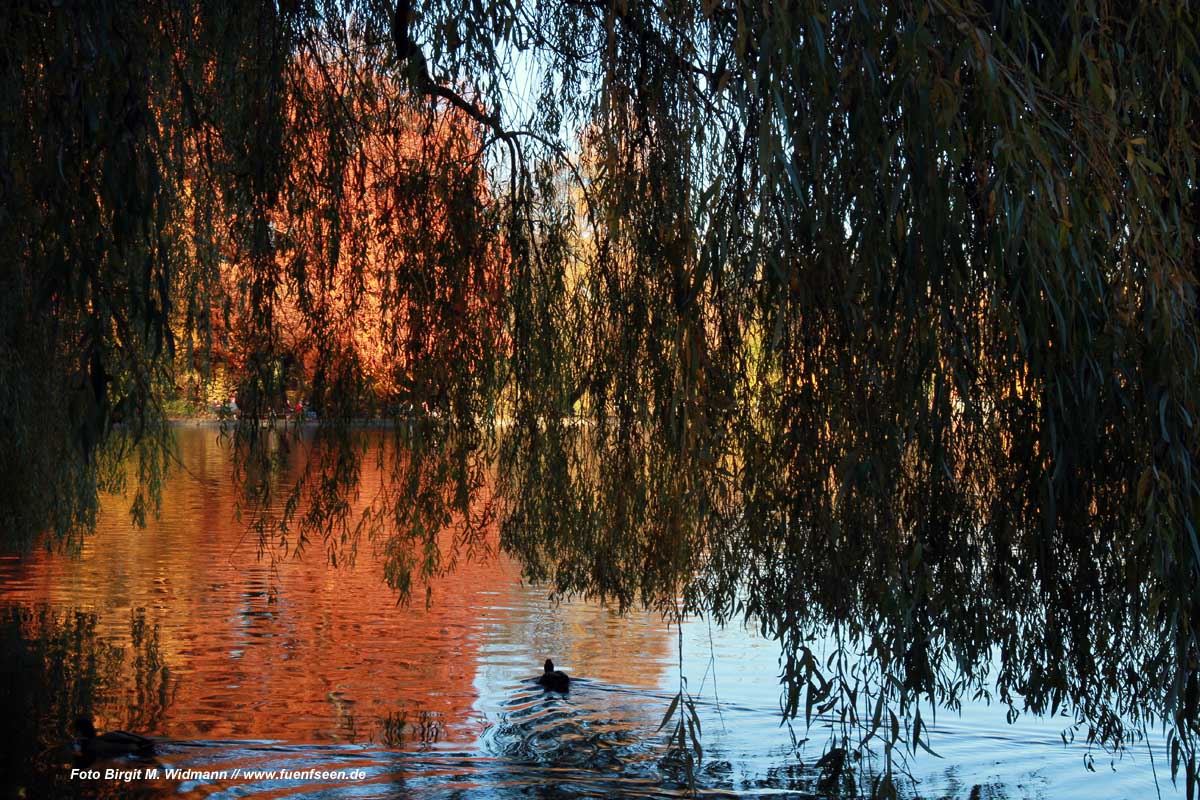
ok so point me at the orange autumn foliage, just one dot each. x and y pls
(388, 284)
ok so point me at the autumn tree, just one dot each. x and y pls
(885, 328)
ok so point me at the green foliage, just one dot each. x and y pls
(871, 319)
(85, 292)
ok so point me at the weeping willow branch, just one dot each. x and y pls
(876, 324)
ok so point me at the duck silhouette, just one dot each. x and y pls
(554, 680)
(111, 744)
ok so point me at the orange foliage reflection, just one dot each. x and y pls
(299, 651)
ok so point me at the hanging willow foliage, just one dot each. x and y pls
(875, 323)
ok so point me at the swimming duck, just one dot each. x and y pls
(553, 679)
(111, 744)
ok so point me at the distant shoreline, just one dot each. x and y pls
(357, 422)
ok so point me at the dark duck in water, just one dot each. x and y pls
(109, 745)
(553, 679)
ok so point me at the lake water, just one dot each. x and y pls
(182, 632)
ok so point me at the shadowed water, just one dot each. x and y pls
(237, 662)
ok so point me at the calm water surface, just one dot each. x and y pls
(182, 632)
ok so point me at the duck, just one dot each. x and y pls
(554, 680)
(111, 744)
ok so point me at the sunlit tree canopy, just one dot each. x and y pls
(874, 323)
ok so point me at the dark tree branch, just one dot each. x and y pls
(410, 53)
